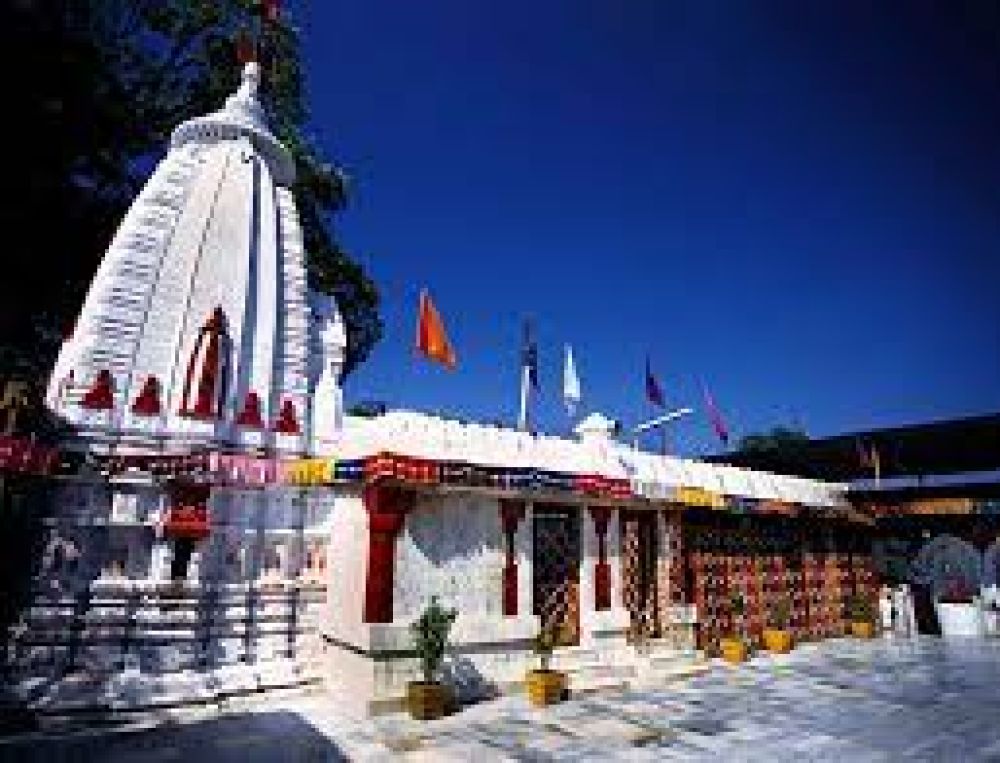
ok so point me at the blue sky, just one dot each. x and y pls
(800, 205)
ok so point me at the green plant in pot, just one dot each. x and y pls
(428, 699)
(734, 647)
(544, 685)
(777, 636)
(862, 615)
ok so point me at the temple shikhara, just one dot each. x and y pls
(221, 526)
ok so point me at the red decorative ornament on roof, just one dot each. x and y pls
(100, 397)
(208, 370)
(148, 402)
(250, 416)
(288, 420)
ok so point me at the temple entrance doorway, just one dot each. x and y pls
(556, 571)
(639, 553)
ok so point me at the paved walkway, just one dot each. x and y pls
(836, 701)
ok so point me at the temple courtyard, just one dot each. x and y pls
(926, 699)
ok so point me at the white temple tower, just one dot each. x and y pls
(197, 327)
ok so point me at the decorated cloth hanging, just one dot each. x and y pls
(308, 471)
(598, 485)
(700, 498)
(782, 508)
(22, 456)
(186, 522)
(349, 470)
(237, 469)
(741, 505)
(389, 466)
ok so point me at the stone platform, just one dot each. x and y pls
(843, 700)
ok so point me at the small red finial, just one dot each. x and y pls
(148, 402)
(246, 50)
(288, 421)
(100, 397)
(250, 415)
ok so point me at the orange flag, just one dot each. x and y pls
(432, 340)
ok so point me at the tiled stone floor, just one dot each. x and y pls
(835, 701)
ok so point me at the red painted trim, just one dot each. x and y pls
(211, 391)
(511, 513)
(387, 508)
(602, 570)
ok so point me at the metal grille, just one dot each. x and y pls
(639, 571)
(556, 598)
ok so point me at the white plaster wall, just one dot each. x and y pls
(347, 562)
(603, 629)
(524, 547)
(452, 548)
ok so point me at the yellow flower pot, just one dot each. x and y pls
(545, 687)
(733, 650)
(862, 630)
(426, 701)
(779, 641)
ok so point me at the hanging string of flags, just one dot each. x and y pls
(237, 471)
(20, 455)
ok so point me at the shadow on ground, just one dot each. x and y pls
(260, 736)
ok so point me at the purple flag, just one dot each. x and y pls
(654, 393)
(715, 416)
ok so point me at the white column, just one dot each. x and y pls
(524, 549)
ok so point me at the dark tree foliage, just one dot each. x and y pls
(93, 89)
(780, 449)
(777, 440)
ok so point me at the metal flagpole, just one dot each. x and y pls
(522, 421)
(660, 422)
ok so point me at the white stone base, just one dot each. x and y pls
(959, 619)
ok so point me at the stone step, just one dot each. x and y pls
(566, 658)
(593, 676)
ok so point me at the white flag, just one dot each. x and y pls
(571, 383)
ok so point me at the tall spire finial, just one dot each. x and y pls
(249, 81)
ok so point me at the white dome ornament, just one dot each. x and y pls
(329, 343)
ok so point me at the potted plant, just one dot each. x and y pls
(734, 648)
(778, 638)
(956, 609)
(862, 616)
(428, 699)
(545, 686)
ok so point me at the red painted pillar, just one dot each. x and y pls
(387, 508)
(602, 570)
(511, 513)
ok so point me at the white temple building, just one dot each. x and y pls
(229, 529)
(198, 327)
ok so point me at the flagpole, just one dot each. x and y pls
(522, 420)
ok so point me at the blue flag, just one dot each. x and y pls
(654, 393)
